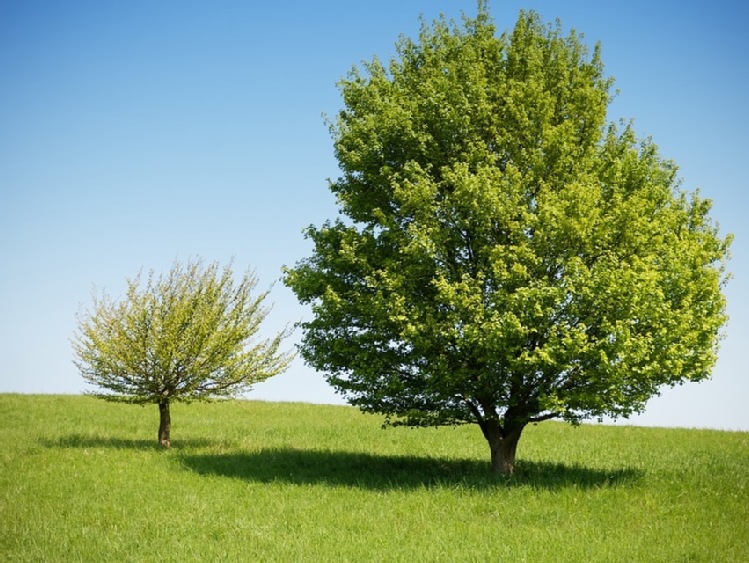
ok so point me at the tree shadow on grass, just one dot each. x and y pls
(92, 442)
(385, 472)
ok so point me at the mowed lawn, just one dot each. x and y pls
(83, 480)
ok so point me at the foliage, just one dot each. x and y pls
(506, 255)
(79, 481)
(189, 335)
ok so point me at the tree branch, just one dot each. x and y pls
(480, 420)
(543, 417)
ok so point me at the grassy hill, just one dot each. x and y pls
(83, 480)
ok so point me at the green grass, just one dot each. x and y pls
(83, 480)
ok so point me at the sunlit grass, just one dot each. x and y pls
(84, 480)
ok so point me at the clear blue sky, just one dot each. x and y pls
(135, 132)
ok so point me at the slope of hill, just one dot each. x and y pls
(82, 479)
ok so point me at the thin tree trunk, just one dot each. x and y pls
(165, 424)
(503, 444)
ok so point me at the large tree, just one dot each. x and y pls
(505, 255)
(189, 335)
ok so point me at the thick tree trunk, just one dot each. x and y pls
(165, 424)
(503, 444)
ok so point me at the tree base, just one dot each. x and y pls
(165, 425)
(503, 452)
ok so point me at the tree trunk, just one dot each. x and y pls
(165, 424)
(503, 444)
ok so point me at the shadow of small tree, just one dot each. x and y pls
(92, 442)
(384, 472)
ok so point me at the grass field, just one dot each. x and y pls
(83, 480)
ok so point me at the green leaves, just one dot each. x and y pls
(191, 334)
(508, 255)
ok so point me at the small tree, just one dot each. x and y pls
(508, 256)
(186, 336)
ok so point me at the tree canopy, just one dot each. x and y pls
(189, 335)
(505, 254)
